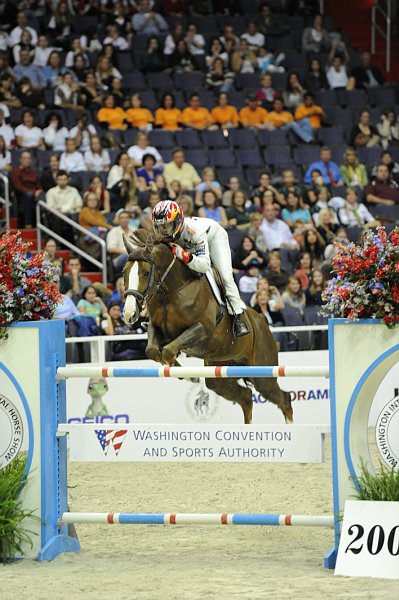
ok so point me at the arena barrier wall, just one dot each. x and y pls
(361, 354)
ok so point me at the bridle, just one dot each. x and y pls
(145, 297)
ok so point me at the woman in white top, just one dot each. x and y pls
(25, 43)
(105, 72)
(55, 134)
(96, 158)
(27, 134)
(76, 48)
(354, 214)
(5, 157)
(336, 72)
(71, 160)
(141, 147)
(42, 52)
(172, 38)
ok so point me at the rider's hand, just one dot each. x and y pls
(181, 254)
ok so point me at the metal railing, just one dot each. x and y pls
(97, 343)
(6, 200)
(384, 8)
(40, 227)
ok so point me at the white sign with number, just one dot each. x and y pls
(369, 544)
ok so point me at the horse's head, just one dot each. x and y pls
(139, 275)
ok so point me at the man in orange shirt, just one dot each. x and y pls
(284, 119)
(254, 115)
(224, 115)
(309, 110)
(195, 115)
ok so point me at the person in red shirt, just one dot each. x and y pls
(27, 188)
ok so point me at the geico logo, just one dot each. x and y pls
(122, 418)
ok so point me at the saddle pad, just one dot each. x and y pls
(214, 287)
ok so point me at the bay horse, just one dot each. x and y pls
(185, 317)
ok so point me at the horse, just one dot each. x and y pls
(184, 316)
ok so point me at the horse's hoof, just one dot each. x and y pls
(168, 357)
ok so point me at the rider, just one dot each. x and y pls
(197, 241)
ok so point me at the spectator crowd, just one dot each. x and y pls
(255, 114)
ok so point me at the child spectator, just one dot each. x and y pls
(294, 211)
(304, 269)
(247, 283)
(208, 183)
(354, 214)
(111, 116)
(245, 253)
(224, 115)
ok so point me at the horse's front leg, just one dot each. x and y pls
(190, 337)
(153, 349)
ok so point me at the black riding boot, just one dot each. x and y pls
(240, 328)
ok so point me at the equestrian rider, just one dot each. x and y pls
(197, 242)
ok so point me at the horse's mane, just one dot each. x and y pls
(143, 239)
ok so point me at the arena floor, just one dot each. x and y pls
(194, 563)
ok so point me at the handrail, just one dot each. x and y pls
(6, 199)
(387, 35)
(40, 227)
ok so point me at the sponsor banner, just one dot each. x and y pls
(199, 443)
(11, 431)
(163, 401)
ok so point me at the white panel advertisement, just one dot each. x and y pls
(199, 443)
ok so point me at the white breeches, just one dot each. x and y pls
(219, 249)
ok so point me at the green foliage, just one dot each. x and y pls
(382, 486)
(12, 532)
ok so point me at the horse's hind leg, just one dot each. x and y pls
(230, 390)
(270, 390)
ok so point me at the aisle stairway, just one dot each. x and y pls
(354, 18)
(30, 236)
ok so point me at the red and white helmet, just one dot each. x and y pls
(168, 219)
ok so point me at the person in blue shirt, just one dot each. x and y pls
(26, 68)
(329, 169)
(295, 211)
(147, 171)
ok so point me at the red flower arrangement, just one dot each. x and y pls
(367, 279)
(28, 290)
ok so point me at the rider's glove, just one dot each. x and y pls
(181, 254)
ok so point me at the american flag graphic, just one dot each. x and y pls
(108, 437)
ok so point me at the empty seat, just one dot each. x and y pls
(161, 138)
(198, 158)
(352, 97)
(383, 97)
(148, 99)
(246, 81)
(337, 155)
(160, 81)
(243, 138)
(134, 81)
(224, 173)
(326, 98)
(237, 98)
(304, 155)
(235, 238)
(272, 138)
(341, 117)
(252, 175)
(330, 136)
(125, 62)
(207, 98)
(278, 155)
(293, 61)
(369, 156)
(222, 158)
(214, 139)
(249, 157)
(189, 81)
(188, 138)
(130, 137)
